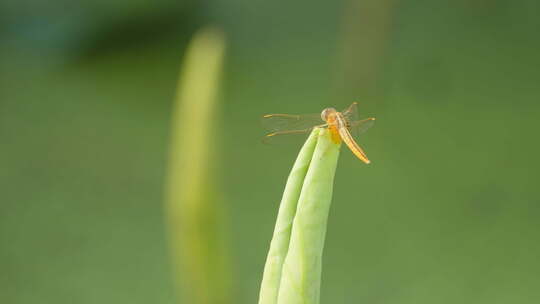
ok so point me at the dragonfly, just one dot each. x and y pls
(343, 126)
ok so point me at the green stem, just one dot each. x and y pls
(293, 269)
(282, 231)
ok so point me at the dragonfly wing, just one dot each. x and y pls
(351, 113)
(287, 122)
(356, 126)
(283, 127)
(361, 126)
(284, 136)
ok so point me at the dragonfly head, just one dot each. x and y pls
(328, 113)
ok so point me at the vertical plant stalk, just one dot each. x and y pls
(282, 231)
(193, 210)
(301, 226)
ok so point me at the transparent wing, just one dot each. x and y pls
(283, 127)
(361, 126)
(356, 126)
(288, 122)
(285, 137)
(351, 113)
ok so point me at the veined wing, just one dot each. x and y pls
(288, 122)
(356, 126)
(351, 113)
(361, 126)
(280, 125)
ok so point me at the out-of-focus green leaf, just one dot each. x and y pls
(193, 208)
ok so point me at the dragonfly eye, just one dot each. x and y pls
(326, 113)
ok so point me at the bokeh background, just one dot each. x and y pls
(448, 211)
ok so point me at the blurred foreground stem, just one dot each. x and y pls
(193, 209)
(292, 274)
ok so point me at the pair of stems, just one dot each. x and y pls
(292, 273)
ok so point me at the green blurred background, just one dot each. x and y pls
(448, 211)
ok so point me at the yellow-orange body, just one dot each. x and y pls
(337, 124)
